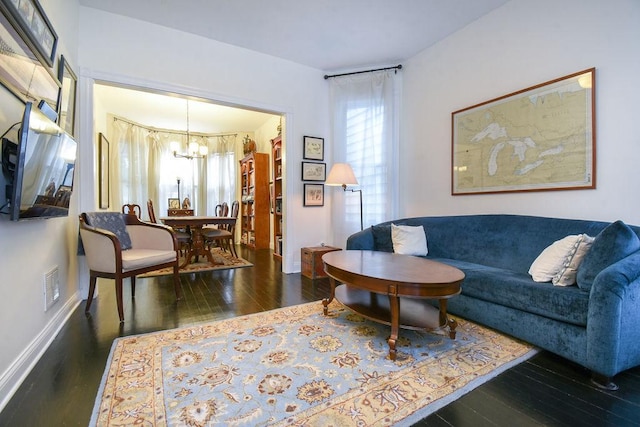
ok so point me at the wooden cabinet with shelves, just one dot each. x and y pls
(276, 173)
(254, 207)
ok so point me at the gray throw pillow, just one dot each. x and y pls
(612, 244)
(113, 222)
(382, 238)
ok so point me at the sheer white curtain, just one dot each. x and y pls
(144, 167)
(221, 171)
(365, 116)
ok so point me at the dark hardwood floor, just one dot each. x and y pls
(61, 389)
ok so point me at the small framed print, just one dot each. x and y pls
(174, 203)
(313, 148)
(314, 171)
(313, 194)
(103, 171)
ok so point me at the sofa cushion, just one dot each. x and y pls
(519, 291)
(382, 238)
(409, 240)
(558, 262)
(567, 274)
(113, 222)
(550, 261)
(612, 244)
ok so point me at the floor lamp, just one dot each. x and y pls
(342, 175)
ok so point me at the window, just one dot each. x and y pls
(365, 136)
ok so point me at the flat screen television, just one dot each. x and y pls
(39, 169)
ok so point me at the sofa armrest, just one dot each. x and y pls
(362, 240)
(614, 317)
(152, 236)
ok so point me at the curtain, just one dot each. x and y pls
(144, 167)
(221, 171)
(365, 116)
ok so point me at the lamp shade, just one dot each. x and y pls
(341, 174)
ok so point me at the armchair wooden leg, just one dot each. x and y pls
(119, 298)
(133, 286)
(176, 281)
(92, 289)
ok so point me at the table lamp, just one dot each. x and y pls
(342, 175)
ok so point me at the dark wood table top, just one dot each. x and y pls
(390, 273)
(196, 221)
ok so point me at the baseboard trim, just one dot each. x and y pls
(13, 377)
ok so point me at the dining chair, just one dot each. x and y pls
(132, 209)
(224, 236)
(119, 245)
(183, 237)
(222, 209)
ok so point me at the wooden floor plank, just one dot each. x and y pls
(61, 388)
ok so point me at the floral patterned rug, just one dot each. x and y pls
(224, 260)
(295, 366)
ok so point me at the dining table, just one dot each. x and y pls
(195, 224)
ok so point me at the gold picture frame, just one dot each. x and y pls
(103, 171)
(537, 139)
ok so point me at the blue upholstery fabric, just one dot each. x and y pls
(611, 245)
(113, 222)
(597, 327)
(516, 290)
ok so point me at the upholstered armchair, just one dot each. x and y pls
(119, 245)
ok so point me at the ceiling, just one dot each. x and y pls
(329, 35)
(170, 112)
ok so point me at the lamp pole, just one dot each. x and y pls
(178, 188)
(344, 187)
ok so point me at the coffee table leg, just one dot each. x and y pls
(394, 305)
(452, 328)
(327, 301)
(444, 321)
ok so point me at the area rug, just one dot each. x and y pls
(224, 261)
(295, 366)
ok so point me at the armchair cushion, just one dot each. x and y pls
(113, 222)
(133, 259)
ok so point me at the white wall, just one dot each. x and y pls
(128, 51)
(32, 248)
(522, 44)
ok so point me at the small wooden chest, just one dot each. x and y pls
(179, 212)
(312, 266)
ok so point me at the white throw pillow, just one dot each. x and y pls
(567, 274)
(408, 240)
(551, 260)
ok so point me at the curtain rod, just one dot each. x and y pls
(152, 129)
(397, 67)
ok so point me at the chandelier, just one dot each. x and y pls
(194, 150)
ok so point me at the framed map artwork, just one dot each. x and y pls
(539, 138)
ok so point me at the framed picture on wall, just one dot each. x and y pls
(313, 148)
(67, 98)
(30, 21)
(313, 195)
(103, 171)
(20, 70)
(314, 171)
(539, 138)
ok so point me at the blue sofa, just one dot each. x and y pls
(595, 324)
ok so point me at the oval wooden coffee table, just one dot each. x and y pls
(367, 276)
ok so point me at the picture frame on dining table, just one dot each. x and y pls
(174, 203)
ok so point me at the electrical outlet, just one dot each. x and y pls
(51, 288)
